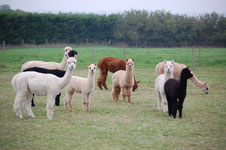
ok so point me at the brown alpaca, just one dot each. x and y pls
(177, 68)
(123, 81)
(111, 64)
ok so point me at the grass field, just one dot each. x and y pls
(119, 126)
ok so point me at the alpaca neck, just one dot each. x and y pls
(129, 75)
(183, 85)
(63, 63)
(195, 80)
(66, 78)
(91, 80)
(168, 75)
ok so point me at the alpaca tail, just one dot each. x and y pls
(14, 82)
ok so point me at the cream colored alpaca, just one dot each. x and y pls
(85, 86)
(123, 80)
(48, 65)
(177, 71)
(26, 83)
(159, 85)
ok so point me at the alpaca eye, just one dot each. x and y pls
(89, 67)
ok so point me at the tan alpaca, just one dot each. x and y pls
(123, 80)
(177, 68)
(85, 86)
(48, 65)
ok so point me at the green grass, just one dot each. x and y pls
(116, 125)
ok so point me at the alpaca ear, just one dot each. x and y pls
(138, 81)
(95, 63)
(75, 56)
(206, 83)
(126, 59)
(172, 61)
(88, 64)
(164, 61)
(133, 59)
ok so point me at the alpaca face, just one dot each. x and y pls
(130, 64)
(67, 50)
(168, 66)
(205, 87)
(92, 68)
(71, 63)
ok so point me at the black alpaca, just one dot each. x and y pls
(176, 92)
(58, 73)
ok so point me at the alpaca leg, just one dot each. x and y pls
(164, 103)
(159, 102)
(57, 100)
(65, 102)
(88, 103)
(115, 93)
(32, 101)
(99, 81)
(70, 101)
(180, 107)
(104, 80)
(18, 104)
(84, 101)
(169, 101)
(49, 106)
(27, 106)
(129, 91)
(174, 108)
(124, 94)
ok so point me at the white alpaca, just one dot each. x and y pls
(159, 85)
(85, 86)
(26, 83)
(123, 80)
(48, 65)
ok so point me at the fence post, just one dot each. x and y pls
(46, 41)
(34, 42)
(93, 55)
(39, 52)
(199, 56)
(145, 44)
(22, 42)
(124, 52)
(3, 44)
(87, 41)
(192, 57)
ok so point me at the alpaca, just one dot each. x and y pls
(26, 83)
(111, 64)
(56, 72)
(176, 92)
(85, 86)
(48, 65)
(123, 81)
(177, 71)
(159, 85)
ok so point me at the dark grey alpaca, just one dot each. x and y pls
(176, 92)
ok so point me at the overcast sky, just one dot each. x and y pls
(115, 6)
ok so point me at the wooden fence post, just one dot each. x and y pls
(124, 52)
(46, 41)
(93, 55)
(39, 52)
(199, 56)
(3, 44)
(192, 57)
(22, 42)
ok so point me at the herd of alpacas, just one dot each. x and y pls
(50, 78)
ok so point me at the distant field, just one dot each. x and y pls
(119, 126)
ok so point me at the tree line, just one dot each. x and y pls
(135, 27)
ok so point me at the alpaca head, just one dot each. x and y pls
(71, 63)
(92, 68)
(67, 49)
(129, 64)
(186, 73)
(168, 66)
(205, 87)
(73, 53)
